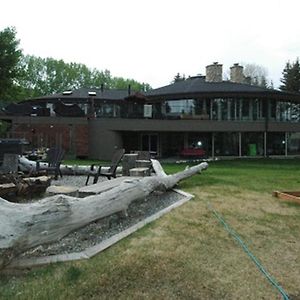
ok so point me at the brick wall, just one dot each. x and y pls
(72, 137)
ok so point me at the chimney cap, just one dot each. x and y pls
(236, 65)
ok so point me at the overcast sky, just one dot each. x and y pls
(151, 41)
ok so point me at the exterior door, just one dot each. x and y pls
(150, 143)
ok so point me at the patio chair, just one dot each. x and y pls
(54, 159)
(112, 171)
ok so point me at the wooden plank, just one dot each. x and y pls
(288, 196)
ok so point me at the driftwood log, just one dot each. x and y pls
(23, 226)
(27, 165)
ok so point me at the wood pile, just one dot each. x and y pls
(19, 188)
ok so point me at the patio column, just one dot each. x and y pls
(286, 144)
(219, 110)
(211, 109)
(213, 145)
(241, 110)
(251, 109)
(240, 144)
(229, 109)
(265, 144)
(235, 109)
(204, 111)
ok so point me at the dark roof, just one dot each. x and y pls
(193, 87)
(198, 87)
(139, 97)
(82, 94)
(18, 109)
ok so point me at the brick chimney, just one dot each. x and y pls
(214, 73)
(237, 74)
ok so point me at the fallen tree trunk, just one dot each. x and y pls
(27, 165)
(24, 226)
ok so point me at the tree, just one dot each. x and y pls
(291, 77)
(122, 83)
(257, 74)
(178, 78)
(44, 76)
(10, 55)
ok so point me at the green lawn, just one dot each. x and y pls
(187, 254)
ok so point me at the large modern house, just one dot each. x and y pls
(199, 116)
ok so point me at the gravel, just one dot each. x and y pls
(98, 231)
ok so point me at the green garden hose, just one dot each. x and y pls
(249, 253)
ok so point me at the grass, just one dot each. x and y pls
(187, 254)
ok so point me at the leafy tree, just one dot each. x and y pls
(24, 77)
(257, 74)
(44, 76)
(291, 77)
(122, 83)
(10, 55)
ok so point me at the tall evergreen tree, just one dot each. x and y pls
(10, 55)
(291, 77)
(178, 78)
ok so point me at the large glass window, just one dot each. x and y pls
(295, 112)
(293, 143)
(149, 143)
(224, 109)
(178, 107)
(252, 144)
(273, 109)
(201, 108)
(200, 141)
(245, 109)
(255, 109)
(107, 110)
(226, 144)
(219, 109)
(275, 143)
(287, 111)
(171, 143)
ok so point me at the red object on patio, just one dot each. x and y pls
(192, 152)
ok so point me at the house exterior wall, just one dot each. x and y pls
(219, 122)
(191, 125)
(102, 140)
(69, 133)
(98, 138)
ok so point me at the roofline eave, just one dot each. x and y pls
(276, 95)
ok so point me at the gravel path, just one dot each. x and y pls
(100, 230)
